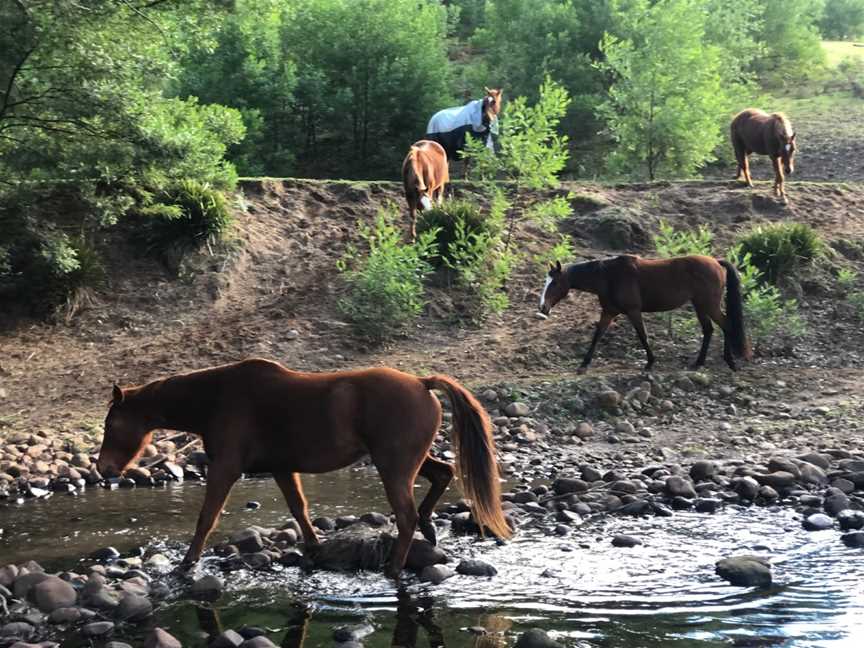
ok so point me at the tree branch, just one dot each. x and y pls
(15, 71)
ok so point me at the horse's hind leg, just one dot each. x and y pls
(292, 490)
(398, 484)
(720, 319)
(439, 473)
(635, 318)
(707, 332)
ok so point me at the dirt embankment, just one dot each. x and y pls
(274, 293)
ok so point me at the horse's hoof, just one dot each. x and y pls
(428, 531)
(393, 574)
(582, 370)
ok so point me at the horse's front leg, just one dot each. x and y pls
(605, 320)
(292, 490)
(220, 479)
(778, 177)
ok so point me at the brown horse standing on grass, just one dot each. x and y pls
(258, 416)
(755, 131)
(631, 286)
(424, 174)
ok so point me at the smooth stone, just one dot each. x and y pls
(52, 593)
(65, 615)
(625, 541)
(18, 629)
(159, 638)
(26, 582)
(849, 519)
(258, 642)
(855, 539)
(133, 607)
(228, 639)
(702, 470)
(97, 629)
(474, 567)
(436, 574)
(818, 522)
(536, 638)
(206, 588)
(247, 541)
(679, 487)
(745, 571)
(517, 409)
(375, 519)
(707, 505)
(105, 554)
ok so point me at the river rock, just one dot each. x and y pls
(97, 629)
(517, 409)
(702, 470)
(423, 553)
(99, 598)
(65, 615)
(52, 593)
(536, 638)
(206, 588)
(26, 582)
(159, 638)
(473, 567)
(353, 633)
(228, 639)
(117, 644)
(679, 487)
(768, 494)
(835, 502)
(247, 541)
(258, 642)
(707, 505)
(818, 522)
(436, 574)
(625, 541)
(816, 459)
(855, 539)
(375, 519)
(849, 519)
(19, 629)
(811, 474)
(8, 574)
(782, 464)
(105, 554)
(133, 607)
(779, 480)
(257, 560)
(745, 571)
(565, 485)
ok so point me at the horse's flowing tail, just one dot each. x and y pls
(475, 455)
(421, 186)
(736, 333)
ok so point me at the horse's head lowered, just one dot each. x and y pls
(556, 287)
(491, 105)
(126, 434)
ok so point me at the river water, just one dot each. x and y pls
(579, 588)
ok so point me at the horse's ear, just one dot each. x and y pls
(558, 266)
(487, 90)
(117, 396)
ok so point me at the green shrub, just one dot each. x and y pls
(846, 280)
(186, 215)
(447, 218)
(768, 316)
(562, 251)
(781, 248)
(670, 242)
(386, 282)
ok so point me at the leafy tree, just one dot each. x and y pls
(843, 19)
(668, 96)
(791, 37)
(381, 69)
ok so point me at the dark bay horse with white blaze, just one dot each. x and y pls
(258, 416)
(478, 118)
(630, 285)
(424, 175)
(755, 131)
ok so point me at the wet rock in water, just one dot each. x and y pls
(422, 553)
(252, 505)
(228, 639)
(257, 560)
(702, 470)
(247, 541)
(817, 459)
(206, 588)
(835, 502)
(779, 480)
(768, 494)
(159, 562)
(52, 593)
(375, 519)
(353, 633)
(746, 488)
(517, 409)
(536, 638)
(258, 642)
(291, 558)
(590, 474)
(744, 571)
(324, 524)
(782, 464)
(65, 615)
(855, 539)
(811, 474)
(97, 629)
(133, 607)
(344, 521)
(106, 554)
(679, 487)
(818, 522)
(661, 510)
(635, 508)
(523, 497)
(565, 485)
(681, 503)
(159, 638)
(474, 567)
(436, 574)
(584, 430)
(850, 519)
(625, 541)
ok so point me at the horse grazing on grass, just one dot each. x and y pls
(258, 416)
(755, 131)
(450, 127)
(424, 174)
(631, 285)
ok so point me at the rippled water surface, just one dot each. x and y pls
(579, 587)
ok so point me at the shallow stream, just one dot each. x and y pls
(580, 588)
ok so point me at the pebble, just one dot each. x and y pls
(517, 409)
(625, 541)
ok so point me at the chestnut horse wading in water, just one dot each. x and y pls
(631, 286)
(257, 416)
(424, 175)
(755, 131)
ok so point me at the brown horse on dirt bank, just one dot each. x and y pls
(755, 131)
(631, 285)
(258, 416)
(424, 175)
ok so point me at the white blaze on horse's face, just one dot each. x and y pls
(545, 288)
(425, 203)
(788, 147)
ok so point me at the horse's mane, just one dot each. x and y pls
(782, 124)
